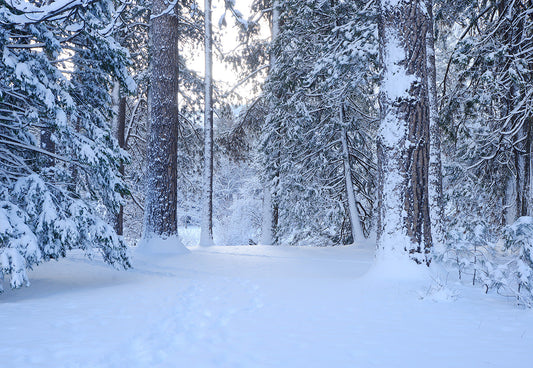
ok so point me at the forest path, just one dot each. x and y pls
(254, 306)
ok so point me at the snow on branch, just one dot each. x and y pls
(33, 14)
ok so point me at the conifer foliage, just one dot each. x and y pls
(489, 107)
(58, 159)
(319, 93)
(487, 114)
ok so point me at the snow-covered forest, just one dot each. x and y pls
(249, 167)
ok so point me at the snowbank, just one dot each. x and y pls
(255, 306)
(171, 246)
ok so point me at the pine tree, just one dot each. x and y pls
(161, 186)
(206, 237)
(316, 93)
(487, 110)
(486, 115)
(435, 188)
(132, 31)
(270, 183)
(58, 159)
(403, 147)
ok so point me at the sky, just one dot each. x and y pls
(223, 73)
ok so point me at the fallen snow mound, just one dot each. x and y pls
(160, 247)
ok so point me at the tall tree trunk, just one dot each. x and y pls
(121, 128)
(529, 162)
(275, 22)
(266, 233)
(161, 185)
(523, 174)
(436, 202)
(73, 180)
(206, 236)
(509, 203)
(355, 222)
(403, 142)
(270, 200)
(514, 40)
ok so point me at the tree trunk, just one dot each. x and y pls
(355, 222)
(509, 203)
(529, 159)
(523, 174)
(275, 22)
(206, 236)
(513, 38)
(266, 233)
(161, 185)
(121, 127)
(72, 185)
(48, 144)
(403, 142)
(271, 213)
(436, 202)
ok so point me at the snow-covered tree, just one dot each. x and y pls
(488, 108)
(270, 216)
(435, 188)
(318, 133)
(404, 224)
(170, 25)
(206, 237)
(59, 159)
(161, 186)
(486, 117)
(132, 28)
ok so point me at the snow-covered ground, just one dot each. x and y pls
(256, 306)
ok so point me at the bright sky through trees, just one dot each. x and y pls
(224, 75)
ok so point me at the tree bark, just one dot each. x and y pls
(513, 38)
(266, 233)
(121, 128)
(436, 201)
(403, 143)
(48, 144)
(161, 185)
(206, 235)
(270, 200)
(355, 222)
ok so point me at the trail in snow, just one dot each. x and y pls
(254, 306)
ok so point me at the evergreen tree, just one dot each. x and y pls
(161, 186)
(403, 145)
(488, 109)
(169, 25)
(319, 94)
(132, 31)
(206, 237)
(59, 160)
(435, 188)
(486, 115)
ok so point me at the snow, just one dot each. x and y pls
(31, 13)
(256, 306)
(394, 86)
(17, 244)
(391, 3)
(396, 81)
(156, 246)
